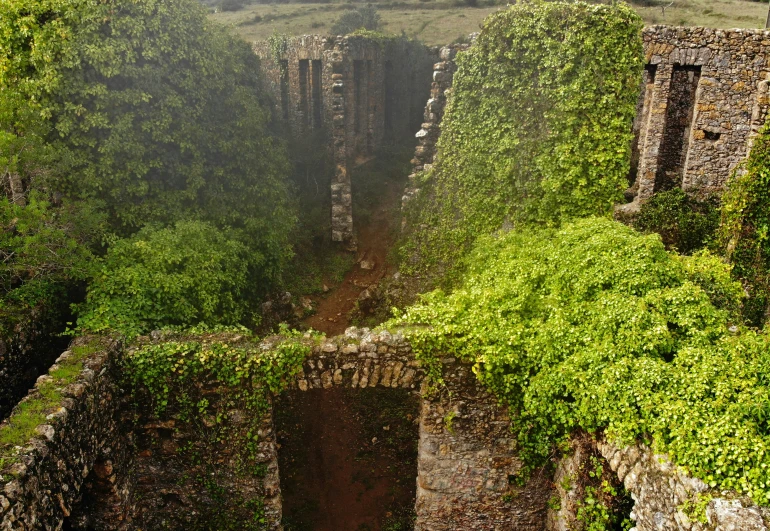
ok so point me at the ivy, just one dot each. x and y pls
(168, 377)
(537, 128)
(595, 326)
(745, 227)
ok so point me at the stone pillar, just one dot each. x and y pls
(467, 463)
(656, 125)
(342, 198)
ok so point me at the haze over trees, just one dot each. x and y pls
(129, 116)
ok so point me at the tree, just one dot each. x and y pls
(365, 17)
(149, 112)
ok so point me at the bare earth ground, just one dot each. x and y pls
(347, 459)
(376, 235)
(439, 22)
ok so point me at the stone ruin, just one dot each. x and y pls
(703, 96)
(363, 92)
(96, 464)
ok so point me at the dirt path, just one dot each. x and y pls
(375, 239)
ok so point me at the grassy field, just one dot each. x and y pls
(437, 22)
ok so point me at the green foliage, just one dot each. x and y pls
(537, 127)
(595, 508)
(166, 376)
(42, 249)
(185, 275)
(745, 227)
(695, 508)
(363, 17)
(147, 111)
(597, 327)
(684, 223)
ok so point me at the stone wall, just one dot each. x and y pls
(704, 93)
(660, 489)
(83, 471)
(465, 464)
(466, 455)
(81, 454)
(363, 92)
(427, 136)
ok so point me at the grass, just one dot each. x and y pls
(31, 413)
(438, 22)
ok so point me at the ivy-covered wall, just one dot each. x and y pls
(537, 128)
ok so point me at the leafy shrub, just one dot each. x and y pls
(596, 326)
(184, 275)
(683, 222)
(537, 127)
(42, 249)
(150, 112)
(745, 228)
(364, 17)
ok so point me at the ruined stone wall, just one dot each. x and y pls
(466, 455)
(361, 91)
(81, 455)
(465, 465)
(660, 489)
(79, 469)
(704, 94)
(427, 136)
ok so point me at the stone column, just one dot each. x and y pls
(467, 463)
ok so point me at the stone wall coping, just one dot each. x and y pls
(19, 481)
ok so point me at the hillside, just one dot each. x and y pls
(437, 22)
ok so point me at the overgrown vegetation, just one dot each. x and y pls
(364, 17)
(745, 229)
(684, 223)
(511, 154)
(189, 273)
(595, 326)
(114, 117)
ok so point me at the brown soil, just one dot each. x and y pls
(375, 238)
(347, 459)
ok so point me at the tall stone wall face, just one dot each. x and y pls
(704, 94)
(468, 463)
(81, 455)
(660, 489)
(360, 91)
(427, 136)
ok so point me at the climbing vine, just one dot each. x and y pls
(595, 326)
(537, 127)
(218, 382)
(745, 227)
